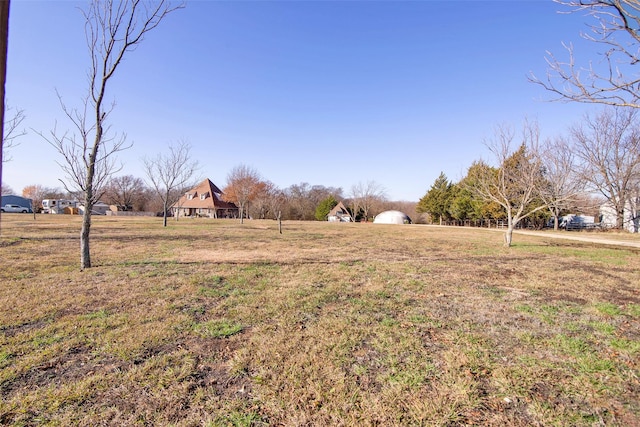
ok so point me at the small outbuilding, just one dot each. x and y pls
(392, 217)
(17, 200)
(339, 214)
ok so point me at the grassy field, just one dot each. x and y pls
(214, 323)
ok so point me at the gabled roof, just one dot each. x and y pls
(205, 195)
(339, 209)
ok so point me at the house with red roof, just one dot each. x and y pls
(204, 200)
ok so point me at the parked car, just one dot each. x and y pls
(14, 208)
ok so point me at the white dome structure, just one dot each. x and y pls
(392, 217)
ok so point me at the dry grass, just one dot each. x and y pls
(216, 323)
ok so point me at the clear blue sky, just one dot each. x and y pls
(324, 92)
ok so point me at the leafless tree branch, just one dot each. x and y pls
(611, 81)
(12, 132)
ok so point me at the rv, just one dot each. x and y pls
(59, 206)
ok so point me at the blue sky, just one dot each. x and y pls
(324, 92)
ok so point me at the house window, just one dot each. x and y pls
(189, 196)
(203, 196)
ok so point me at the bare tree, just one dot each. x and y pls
(513, 184)
(365, 196)
(169, 174)
(612, 82)
(560, 186)
(300, 201)
(243, 185)
(36, 193)
(112, 29)
(6, 189)
(12, 131)
(277, 199)
(607, 147)
(124, 191)
(298, 204)
(264, 204)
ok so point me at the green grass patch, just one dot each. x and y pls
(630, 346)
(633, 310)
(217, 328)
(608, 309)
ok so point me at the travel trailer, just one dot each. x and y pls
(59, 206)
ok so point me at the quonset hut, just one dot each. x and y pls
(392, 217)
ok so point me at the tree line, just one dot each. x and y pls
(533, 180)
(255, 196)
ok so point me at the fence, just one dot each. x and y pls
(493, 223)
(130, 213)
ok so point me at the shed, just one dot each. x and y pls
(339, 214)
(16, 200)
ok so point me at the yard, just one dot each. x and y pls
(210, 322)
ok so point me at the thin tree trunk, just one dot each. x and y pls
(164, 214)
(85, 253)
(279, 222)
(508, 236)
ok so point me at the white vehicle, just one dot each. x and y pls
(57, 206)
(14, 208)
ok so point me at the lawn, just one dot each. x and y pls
(214, 323)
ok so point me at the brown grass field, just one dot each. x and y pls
(214, 323)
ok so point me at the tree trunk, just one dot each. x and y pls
(241, 213)
(556, 221)
(508, 236)
(279, 222)
(620, 218)
(164, 215)
(85, 254)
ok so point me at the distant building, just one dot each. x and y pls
(631, 222)
(59, 206)
(205, 199)
(392, 217)
(17, 200)
(99, 208)
(339, 214)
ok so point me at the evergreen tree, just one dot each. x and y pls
(437, 201)
(324, 207)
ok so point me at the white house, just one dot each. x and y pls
(99, 208)
(631, 220)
